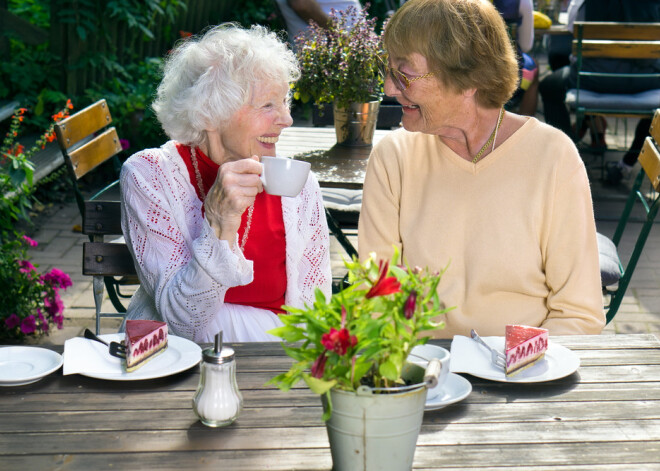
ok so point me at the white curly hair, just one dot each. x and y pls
(208, 78)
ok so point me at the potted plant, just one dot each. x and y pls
(339, 65)
(352, 350)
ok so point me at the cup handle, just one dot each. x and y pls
(432, 372)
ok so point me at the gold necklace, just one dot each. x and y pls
(200, 185)
(491, 139)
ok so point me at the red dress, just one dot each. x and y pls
(265, 245)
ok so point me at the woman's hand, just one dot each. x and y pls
(233, 191)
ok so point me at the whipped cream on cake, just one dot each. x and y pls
(144, 340)
(524, 346)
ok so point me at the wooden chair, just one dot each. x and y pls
(105, 260)
(87, 140)
(613, 41)
(614, 275)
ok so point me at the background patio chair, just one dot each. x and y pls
(87, 140)
(615, 277)
(613, 41)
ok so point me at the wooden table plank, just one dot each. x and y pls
(605, 416)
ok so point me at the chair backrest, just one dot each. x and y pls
(614, 40)
(86, 143)
(649, 158)
(105, 260)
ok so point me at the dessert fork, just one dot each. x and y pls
(496, 357)
(116, 349)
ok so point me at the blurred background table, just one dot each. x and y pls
(335, 166)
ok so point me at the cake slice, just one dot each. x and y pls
(524, 346)
(144, 340)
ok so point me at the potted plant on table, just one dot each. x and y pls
(352, 350)
(340, 65)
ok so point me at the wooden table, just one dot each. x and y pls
(334, 165)
(605, 416)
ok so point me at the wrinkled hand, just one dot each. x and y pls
(233, 191)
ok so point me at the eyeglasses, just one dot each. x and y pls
(401, 80)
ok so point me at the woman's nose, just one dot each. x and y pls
(389, 88)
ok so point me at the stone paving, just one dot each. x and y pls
(61, 246)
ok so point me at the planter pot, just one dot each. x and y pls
(370, 431)
(355, 124)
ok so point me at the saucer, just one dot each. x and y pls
(455, 389)
(25, 365)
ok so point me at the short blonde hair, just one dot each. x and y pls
(465, 43)
(208, 78)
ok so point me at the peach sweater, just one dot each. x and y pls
(516, 230)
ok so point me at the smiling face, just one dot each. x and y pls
(256, 126)
(429, 106)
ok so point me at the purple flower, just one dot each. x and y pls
(58, 319)
(58, 278)
(42, 320)
(31, 242)
(12, 321)
(54, 305)
(29, 325)
(125, 143)
(26, 267)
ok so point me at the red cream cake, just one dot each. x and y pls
(144, 340)
(524, 346)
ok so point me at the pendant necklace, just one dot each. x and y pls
(200, 185)
(491, 139)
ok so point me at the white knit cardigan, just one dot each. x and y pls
(185, 270)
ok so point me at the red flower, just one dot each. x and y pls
(184, 34)
(409, 306)
(338, 341)
(319, 366)
(384, 285)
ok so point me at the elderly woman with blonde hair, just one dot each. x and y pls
(212, 250)
(501, 200)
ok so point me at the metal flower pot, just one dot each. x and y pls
(370, 431)
(355, 125)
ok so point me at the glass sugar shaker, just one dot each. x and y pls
(218, 402)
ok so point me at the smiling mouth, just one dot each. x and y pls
(268, 140)
(411, 107)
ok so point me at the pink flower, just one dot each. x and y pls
(26, 267)
(319, 366)
(54, 305)
(58, 319)
(58, 278)
(42, 320)
(29, 325)
(409, 306)
(12, 321)
(338, 341)
(125, 143)
(384, 285)
(31, 242)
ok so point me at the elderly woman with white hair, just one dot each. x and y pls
(212, 250)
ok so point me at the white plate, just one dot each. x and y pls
(181, 354)
(557, 363)
(456, 388)
(25, 365)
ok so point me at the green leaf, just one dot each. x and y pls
(389, 371)
(317, 385)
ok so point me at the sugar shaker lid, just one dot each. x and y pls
(218, 354)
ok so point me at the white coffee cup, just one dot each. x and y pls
(282, 176)
(422, 354)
